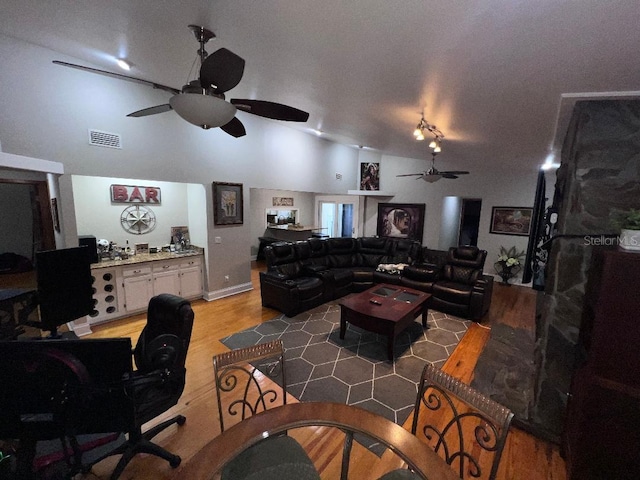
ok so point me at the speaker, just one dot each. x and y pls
(65, 292)
(92, 250)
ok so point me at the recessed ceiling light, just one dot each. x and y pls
(123, 64)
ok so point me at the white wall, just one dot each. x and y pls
(96, 215)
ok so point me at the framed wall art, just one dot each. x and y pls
(369, 176)
(402, 220)
(511, 220)
(227, 203)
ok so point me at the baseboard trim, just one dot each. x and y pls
(227, 292)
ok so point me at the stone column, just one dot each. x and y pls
(599, 174)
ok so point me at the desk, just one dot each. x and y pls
(222, 449)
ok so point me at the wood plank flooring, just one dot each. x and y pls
(525, 457)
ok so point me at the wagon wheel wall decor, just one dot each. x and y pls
(138, 219)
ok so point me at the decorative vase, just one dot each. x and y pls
(506, 272)
(629, 239)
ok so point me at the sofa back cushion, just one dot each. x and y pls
(281, 258)
(467, 256)
(318, 251)
(372, 251)
(464, 275)
(342, 252)
(405, 251)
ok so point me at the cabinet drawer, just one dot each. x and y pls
(193, 262)
(165, 266)
(134, 272)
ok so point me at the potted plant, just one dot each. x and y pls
(629, 224)
(508, 264)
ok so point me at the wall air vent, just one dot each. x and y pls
(104, 139)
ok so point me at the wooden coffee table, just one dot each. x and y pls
(384, 309)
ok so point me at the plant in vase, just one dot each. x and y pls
(629, 225)
(509, 263)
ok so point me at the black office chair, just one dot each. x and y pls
(159, 380)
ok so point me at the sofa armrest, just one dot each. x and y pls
(481, 297)
(314, 268)
(278, 276)
(425, 272)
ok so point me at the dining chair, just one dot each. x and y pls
(240, 381)
(248, 381)
(462, 425)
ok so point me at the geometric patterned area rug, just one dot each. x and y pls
(323, 368)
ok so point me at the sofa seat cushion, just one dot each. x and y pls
(452, 292)
(342, 276)
(362, 274)
(386, 277)
(307, 286)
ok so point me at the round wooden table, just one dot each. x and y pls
(215, 454)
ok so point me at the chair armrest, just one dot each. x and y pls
(426, 272)
(311, 269)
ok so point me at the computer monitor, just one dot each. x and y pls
(65, 291)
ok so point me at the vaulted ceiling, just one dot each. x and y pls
(491, 74)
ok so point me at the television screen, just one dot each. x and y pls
(65, 290)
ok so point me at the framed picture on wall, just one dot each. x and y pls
(227, 203)
(369, 176)
(511, 220)
(402, 220)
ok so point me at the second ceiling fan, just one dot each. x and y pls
(433, 174)
(202, 101)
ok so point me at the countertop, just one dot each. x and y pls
(147, 257)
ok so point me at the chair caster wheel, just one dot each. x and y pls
(181, 419)
(175, 461)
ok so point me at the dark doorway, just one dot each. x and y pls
(469, 221)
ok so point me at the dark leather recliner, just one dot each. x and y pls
(159, 380)
(287, 285)
(461, 288)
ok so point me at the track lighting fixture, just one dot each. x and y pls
(424, 126)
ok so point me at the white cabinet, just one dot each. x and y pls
(105, 295)
(166, 277)
(121, 290)
(191, 278)
(138, 288)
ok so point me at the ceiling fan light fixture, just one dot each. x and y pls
(433, 143)
(431, 178)
(205, 111)
(437, 149)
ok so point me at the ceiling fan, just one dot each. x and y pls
(202, 101)
(433, 174)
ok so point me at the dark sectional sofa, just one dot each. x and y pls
(308, 273)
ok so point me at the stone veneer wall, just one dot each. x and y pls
(599, 174)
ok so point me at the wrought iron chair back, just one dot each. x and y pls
(240, 385)
(462, 425)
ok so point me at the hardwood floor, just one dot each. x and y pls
(524, 457)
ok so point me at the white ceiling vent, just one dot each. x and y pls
(104, 139)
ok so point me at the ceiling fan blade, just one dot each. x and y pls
(276, 111)
(410, 174)
(455, 172)
(222, 69)
(119, 76)
(448, 175)
(235, 128)
(151, 110)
